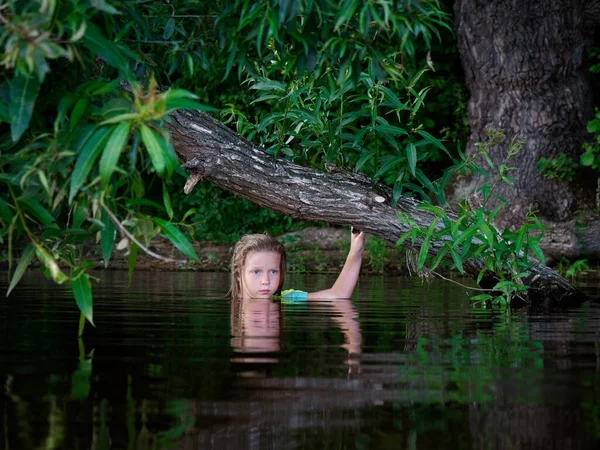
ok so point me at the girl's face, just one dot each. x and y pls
(261, 274)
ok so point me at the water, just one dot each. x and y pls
(172, 364)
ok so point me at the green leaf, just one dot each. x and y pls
(391, 129)
(457, 260)
(488, 160)
(436, 142)
(112, 150)
(488, 233)
(392, 98)
(177, 238)
(411, 156)
(121, 118)
(36, 209)
(423, 252)
(24, 262)
(363, 159)
(397, 191)
(86, 159)
(154, 147)
(467, 234)
(107, 237)
(173, 94)
(409, 234)
(167, 201)
(5, 212)
(391, 162)
(51, 265)
(104, 7)
(346, 13)
(105, 88)
(82, 290)
(188, 213)
(426, 243)
(593, 126)
(169, 28)
(23, 94)
(186, 103)
(98, 45)
(77, 112)
(438, 259)
(587, 159)
(535, 248)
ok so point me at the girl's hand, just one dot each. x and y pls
(357, 240)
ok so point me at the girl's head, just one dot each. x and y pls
(266, 256)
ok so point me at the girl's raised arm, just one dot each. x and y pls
(346, 281)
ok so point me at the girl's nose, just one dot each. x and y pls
(265, 279)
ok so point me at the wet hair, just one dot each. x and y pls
(253, 243)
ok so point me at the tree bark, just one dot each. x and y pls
(211, 151)
(523, 65)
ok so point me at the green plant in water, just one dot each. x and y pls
(569, 269)
(473, 235)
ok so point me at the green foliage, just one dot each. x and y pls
(591, 150)
(562, 168)
(358, 127)
(84, 150)
(504, 255)
(72, 162)
(378, 253)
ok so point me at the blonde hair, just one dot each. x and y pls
(253, 243)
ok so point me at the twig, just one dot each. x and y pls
(460, 284)
(130, 236)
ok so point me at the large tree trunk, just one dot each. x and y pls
(523, 64)
(211, 151)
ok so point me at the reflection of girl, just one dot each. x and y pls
(256, 326)
(258, 270)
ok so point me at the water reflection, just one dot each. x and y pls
(402, 366)
(258, 327)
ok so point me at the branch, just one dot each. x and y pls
(130, 236)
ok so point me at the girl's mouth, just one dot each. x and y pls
(265, 291)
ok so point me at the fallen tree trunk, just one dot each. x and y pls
(211, 151)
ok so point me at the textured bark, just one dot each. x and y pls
(523, 64)
(209, 150)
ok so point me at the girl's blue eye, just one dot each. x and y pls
(274, 272)
(256, 272)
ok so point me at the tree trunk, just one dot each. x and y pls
(523, 64)
(209, 150)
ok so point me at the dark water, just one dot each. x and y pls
(172, 364)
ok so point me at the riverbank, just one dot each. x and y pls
(313, 250)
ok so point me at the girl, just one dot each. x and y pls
(258, 270)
